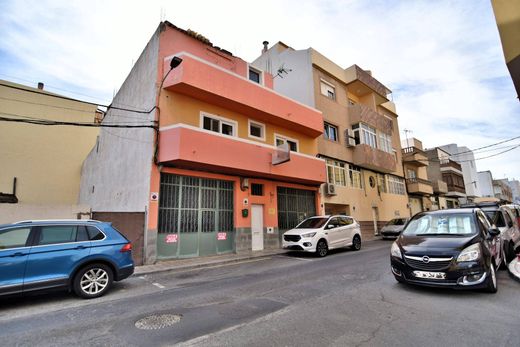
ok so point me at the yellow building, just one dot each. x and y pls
(507, 15)
(40, 166)
(360, 141)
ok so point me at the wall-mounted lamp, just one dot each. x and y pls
(176, 61)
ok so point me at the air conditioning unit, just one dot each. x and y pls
(331, 189)
(350, 140)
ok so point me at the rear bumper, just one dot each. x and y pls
(124, 272)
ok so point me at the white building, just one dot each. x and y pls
(465, 157)
(485, 183)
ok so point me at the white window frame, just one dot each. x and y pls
(396, 185)
(261, 125)
(285, 139)
(327, 135)
(326, 87)
(258, 71)
(232, 123)
(385, 142)
(339, 174)
(354, 176)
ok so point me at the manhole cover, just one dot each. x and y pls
(157, 321)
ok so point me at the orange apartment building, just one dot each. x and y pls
(206, 181)
(360, 137)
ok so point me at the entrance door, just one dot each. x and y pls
(375, 217)
(257, 227)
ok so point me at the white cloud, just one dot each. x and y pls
(442, 59)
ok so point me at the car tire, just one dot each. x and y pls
(492, 280)
(509, 252)
(321, 248)
(356, 243)
(93, 281)
(398, 279)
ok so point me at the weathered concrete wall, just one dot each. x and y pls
(10, 213)
(116, 174)
(243, 240)
(130, 224)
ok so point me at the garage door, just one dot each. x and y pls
(195, 217)
(294, 205)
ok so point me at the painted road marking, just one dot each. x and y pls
(158, 285)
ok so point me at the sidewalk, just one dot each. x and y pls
(514, 268)
(192, 263)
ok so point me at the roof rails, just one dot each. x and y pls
(57, 220)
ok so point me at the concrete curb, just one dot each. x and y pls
(514, 269)
(157, 268)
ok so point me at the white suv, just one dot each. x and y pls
(321, 233)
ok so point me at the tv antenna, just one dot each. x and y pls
(281, 71)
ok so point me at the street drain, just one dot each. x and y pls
(157, 321)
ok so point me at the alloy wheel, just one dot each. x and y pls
(94, 281)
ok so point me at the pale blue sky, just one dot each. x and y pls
(442, 59)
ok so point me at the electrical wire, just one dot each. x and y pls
(49, 120)
(36, 121)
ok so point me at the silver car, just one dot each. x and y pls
(394, 227)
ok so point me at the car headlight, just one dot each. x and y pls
(308, 235)
(470, 253)
(395, 251)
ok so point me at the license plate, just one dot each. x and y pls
(430, 275)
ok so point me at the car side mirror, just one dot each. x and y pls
(330, 226)
(493, 231)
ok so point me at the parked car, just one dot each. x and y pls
(394, 227)
(512, 240)
(84, 256)
(502, 217)
(454, 248)
(321, 233)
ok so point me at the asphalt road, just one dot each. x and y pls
(346, 299)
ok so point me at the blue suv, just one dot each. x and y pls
(84, 256)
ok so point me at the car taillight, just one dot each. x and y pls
(126, 248)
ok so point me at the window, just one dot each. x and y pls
(57, 234)
(364, 134)
(256, 130)
(218, 124)
(254, 75)
(336, 173)
(385, 142)
(396, 185)
(355, 176)
(95, 234)
(330, 132)
(257, 189)
(346, 220)
(328, 90)
(410, 174)
(381, 183)
(14, 238)
(280, 140)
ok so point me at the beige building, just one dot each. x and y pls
(360, 142)
(507, 15)
(419, 188)
(41, 165)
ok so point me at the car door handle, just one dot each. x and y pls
(18, 254)
(326, 233)
(81, 247)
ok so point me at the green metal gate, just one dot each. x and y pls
(294, 205)
(195, 217)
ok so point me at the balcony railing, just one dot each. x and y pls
(367, 79)
(361, 113)
(440, 187)
(415, 156)
(450, 164)
(419, 186)
(373, 158)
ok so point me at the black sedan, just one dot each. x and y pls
(455, 248)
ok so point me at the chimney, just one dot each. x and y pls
(40, 85)
(265, 43)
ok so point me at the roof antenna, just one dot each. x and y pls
(282, 70)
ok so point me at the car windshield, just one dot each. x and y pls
(397, 221)
(312, 223)
(453, 224)
(496, 218)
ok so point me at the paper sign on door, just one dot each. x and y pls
(171, 238)
(221, 236)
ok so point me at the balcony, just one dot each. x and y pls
(419, 186)
(440, 187)
(360, 83)
(361, 113)
(196, 149)
(210, 83)
(456, 191)
(414, 156)
(372, 158)
(450, 166)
